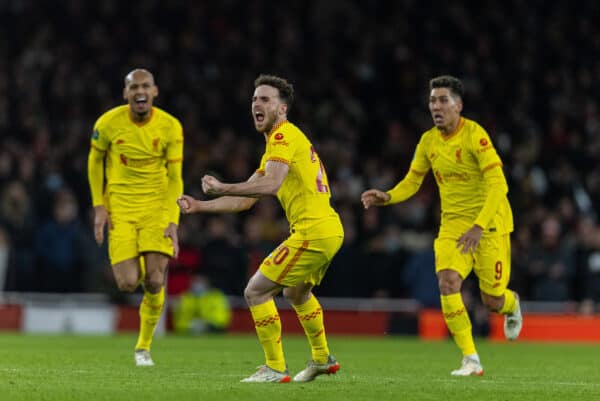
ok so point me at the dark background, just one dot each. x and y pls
(361, 70)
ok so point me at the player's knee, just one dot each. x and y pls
(449, 282)
(153, 284)
(127, 285)
(296, 296)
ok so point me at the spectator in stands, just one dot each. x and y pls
(59, 246)
(201, 309)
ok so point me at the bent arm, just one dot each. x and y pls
(497, 190)
(259, 184)
(224, 204)
(406, 188)
(96, 175)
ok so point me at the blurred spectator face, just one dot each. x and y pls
(266, 108)
(445, 108)
(15, 202)
(551, 230)
(65, 207)
(140, 92)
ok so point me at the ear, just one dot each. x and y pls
(125, 93)
(155, 91)
(283, 109)
(459, 105)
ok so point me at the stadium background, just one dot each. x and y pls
(360, 69)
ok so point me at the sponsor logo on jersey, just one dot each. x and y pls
(155, 143)
(95, 135)
(119, 141)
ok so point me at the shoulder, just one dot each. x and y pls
(167, 118)
(475, 133)
(473, 128)
(428, 136)
(111, 117)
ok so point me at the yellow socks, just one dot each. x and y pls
(310, 315)
(510, 303)
(458, 322)
(150, 310)
(268, 330)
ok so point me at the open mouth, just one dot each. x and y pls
(141, 100)
(259, 117)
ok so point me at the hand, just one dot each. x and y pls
(186, 204)
(374, 197)
(171, 232)
(211, 186)
(101, 217)
(470, 239)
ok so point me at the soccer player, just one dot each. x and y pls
(134, 172)
(291, 170)
(476, 216)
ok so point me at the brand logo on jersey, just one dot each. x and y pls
(155, 143)
(119, 141)
(123, 159)
(95, 135)
(459, 155)
(485, 145)
(278, 136)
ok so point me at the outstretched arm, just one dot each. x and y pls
(224, 204)
(401, 192)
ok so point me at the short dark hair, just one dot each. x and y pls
(286, 89)
(448, 81)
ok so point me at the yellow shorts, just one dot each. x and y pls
(491, 261)
(298, 261)
(137, 231)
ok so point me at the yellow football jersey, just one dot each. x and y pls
(305, 194)
(137, 154)
(458, 163)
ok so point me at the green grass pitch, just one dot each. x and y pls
(90, 368)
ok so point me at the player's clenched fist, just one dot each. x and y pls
(374, 197)
(185, 203)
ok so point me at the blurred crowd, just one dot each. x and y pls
(361, 72)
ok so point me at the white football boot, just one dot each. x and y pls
(513, 322)
(265, 374)
(142, 358)
(469, 367)
(314, 369)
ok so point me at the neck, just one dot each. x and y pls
(450, 128)
(140, 118)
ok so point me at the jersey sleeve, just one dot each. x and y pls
(281, 147)
(484, 151)
(100, 139)
(175, 147)
(420, 164)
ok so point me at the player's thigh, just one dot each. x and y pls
(122, 239)
(151, 233)
(297, 261)
(492, 264)
(448, 256)
(127, 273)
(156, 264)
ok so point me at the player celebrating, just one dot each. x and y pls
(476, 216)
(290, 169)
(138, 149)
